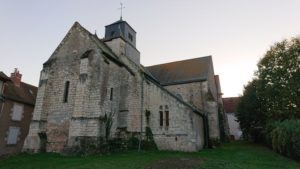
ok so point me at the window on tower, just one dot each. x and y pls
(130, 37)
(112, 33)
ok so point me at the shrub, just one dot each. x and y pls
(285, 138)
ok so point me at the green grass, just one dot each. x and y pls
(237, 155)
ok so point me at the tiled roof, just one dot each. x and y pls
(181, 71)
(4, 77)
(26, 93)
(230, 104)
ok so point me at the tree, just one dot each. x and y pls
(249, 114)
(279, 73)
(274, 94)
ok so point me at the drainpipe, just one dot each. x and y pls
(205, 121)
(142, 107)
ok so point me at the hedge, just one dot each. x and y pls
(285, 138)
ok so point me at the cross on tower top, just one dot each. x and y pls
(121, 9)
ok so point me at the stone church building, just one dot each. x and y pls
(88, 78)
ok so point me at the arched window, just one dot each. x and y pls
(161, 116)
(167, 115)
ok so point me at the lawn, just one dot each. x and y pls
(238, 155)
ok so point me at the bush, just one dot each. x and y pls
(285, 138)
(214, 142)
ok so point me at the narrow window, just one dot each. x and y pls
(66, 93)
(167, 118)
(130, 37)
(111, 93)
(161, 120)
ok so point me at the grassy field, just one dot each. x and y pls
(230, 156)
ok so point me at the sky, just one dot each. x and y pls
(236, 33)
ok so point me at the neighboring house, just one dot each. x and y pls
(87, 79)
(17, 101)
(230, 106)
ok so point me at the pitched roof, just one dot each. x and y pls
(119, 22)
(230, 104)
(4, 77)
(26, 93)
(184, 71)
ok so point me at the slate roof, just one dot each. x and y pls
(184, 71)
(230, 104)
(120, 21)
(26, 93)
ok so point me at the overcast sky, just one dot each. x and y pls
(236, 33)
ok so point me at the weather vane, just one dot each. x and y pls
(122, 7)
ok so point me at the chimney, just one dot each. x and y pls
(16, 77)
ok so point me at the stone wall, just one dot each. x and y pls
(185, 130)
(193, 93)
(197, 94)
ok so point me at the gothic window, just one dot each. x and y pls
(167, 115)
(167, 118)
(66, 93)
(161, 120)
(164, 112)
(17, 112)
(13, 133)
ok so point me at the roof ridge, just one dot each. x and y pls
(180, 61)
(28, 84)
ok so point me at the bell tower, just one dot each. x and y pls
(121, 38)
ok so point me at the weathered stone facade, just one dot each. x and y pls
(87, 79)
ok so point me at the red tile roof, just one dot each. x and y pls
(26, 93)
(230, 104)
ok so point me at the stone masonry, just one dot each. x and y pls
(87, 79)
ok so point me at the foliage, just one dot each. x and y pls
(285, 138)
(251, 119)
(279, 75)
(147, 113)
(272, 100)
(214, 142)
(108, 120)
(149, 143)
(99, 145)
(222, 122)
(233, 155)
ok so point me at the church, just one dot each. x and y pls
(89, 79)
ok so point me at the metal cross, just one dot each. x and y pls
(122, 7)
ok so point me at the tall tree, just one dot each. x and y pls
(274, 94)
(279, 73)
